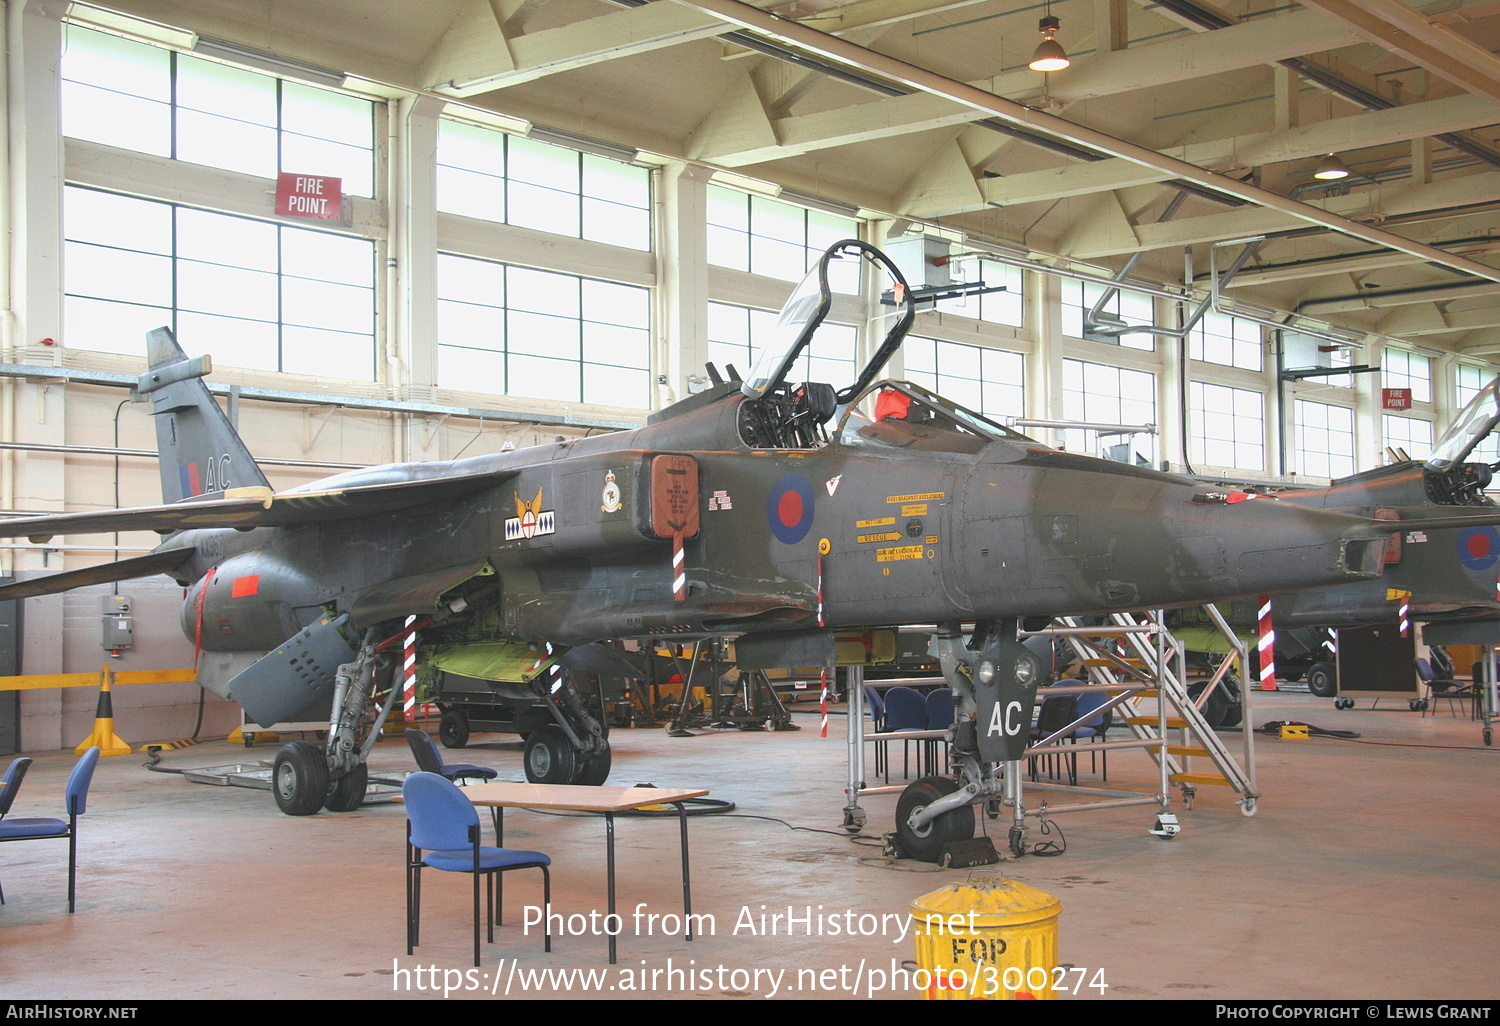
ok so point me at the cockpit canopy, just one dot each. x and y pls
(900, 415)
(855, 283)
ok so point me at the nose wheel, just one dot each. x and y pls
(925, 843)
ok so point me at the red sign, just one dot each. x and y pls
(310, 196)
(1395, 398)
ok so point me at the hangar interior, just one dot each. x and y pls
(553, 213)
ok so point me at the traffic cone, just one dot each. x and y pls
(104, 724)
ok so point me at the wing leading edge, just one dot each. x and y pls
(256, 507)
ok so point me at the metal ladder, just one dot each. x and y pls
(1175, 734)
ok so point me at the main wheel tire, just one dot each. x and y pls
(549, 756)
(453, 729)
(1234, 713)
(593, 771)
(347, 793)
(1219, 708)
(926, 844)
(299, 778)
(1323, 680)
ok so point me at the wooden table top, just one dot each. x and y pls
(576, 797)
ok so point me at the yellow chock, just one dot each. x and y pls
(168, 746)
(1294, 732)
(104, 724)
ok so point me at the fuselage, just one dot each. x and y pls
(908, 520)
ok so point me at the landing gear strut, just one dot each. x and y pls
(574, 749)
(306, 778)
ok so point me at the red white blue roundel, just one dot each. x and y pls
(1479, 547)
(790, 508)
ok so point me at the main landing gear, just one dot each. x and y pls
(305, 777)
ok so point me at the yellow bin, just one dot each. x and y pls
(988, 939)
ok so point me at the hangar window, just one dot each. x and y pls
(768, 237)
(1226, 426)
(1226, 340)
(736, 333)
(987, 381)
(1469, 381)
(1401, 369)
(1325, 439)
(491, 175)
(152, 100)
(518, 331)
(1007, 307)
(252, 293)
(1100, 394)
(1124, 307)
(1408, 434)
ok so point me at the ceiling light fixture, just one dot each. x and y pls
(1331, 168)
(1049, 56)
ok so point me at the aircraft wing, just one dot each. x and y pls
(120, 570)
(255, 507)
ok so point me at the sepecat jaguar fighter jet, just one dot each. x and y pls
(772, 509)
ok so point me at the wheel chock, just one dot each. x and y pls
(167, 746)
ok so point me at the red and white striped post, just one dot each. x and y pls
(1267, 647)
(409, 672)
(679, 571)
(823, 706)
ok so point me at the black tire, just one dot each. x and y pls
(549, 756)
(1234, 713)
(927, 845)
(1323, 680)
(299, 778)
(594, 771)
(347, 793)
(453, 729)
(1220, 710)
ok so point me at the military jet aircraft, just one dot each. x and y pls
(1449, 572)
(1439, 573)
(773, 509)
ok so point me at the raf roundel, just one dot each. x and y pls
(790, 508)
(1479, 547)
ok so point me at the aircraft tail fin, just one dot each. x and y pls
(201, 453)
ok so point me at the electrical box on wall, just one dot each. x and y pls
(119, 624)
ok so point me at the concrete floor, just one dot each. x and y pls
(1369, 872)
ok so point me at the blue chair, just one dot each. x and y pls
(430, 760)
(939, 717)
(10, 786)
(1096, 728)
(1054, 712)
(1438, 688)
(875, 706)
(77, 794)
(905, 709)
(444, 824)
